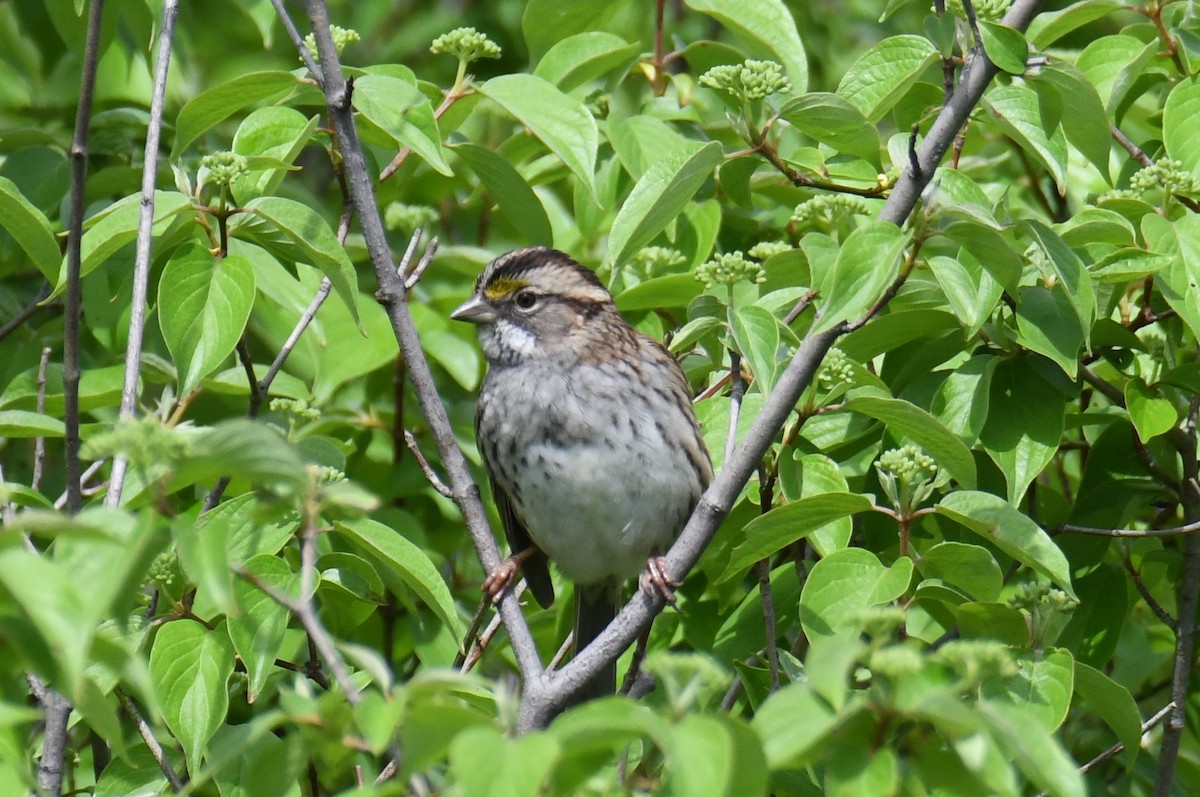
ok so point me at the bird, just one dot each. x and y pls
(586, 430)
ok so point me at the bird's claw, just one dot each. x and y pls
(654, 580)
(501, 578)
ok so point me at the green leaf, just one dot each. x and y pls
(970, 289)
(1180, 133)
(257, 633)
(1115, 706)
(866, 264)
(203, 556)
(1069, 268)
(559, 120)
(546, 22)
(792, 724)
(661, 194)
(786, 524)
(1024, 424)
(116, 226)
(22, 423)
(516, 200)
(882, 75)
(481, 757)
(1005, 46)
(757, 335)
(223, 100)
(277, 133)
(1084, 119)
(203, 306)
(410, 562)
(1047, 324)
(261, 764)
(1017, 110)
(29, 228)
(1179, 283)
(844, 583)
(714, 756)
(584, 57)
(1035, 751)
(971, 568)
(1050, 26)
(297, 232)
(833, 120)
(999, 522)
(768, 27)
(1151, 414)
(908, 421)
(190, 667)
(1042, 685)
(249, 450)
(45, 596)
(398, 108)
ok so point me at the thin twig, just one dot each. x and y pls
(1140, 585)
(144, 730)
(264, 386)
(434, 480)
(736, 392)
(302, 608)
(1113, 751)
(393, 294)
(85, 477)
(39, 443)
(27, 312)
(141, 259)
(764, 588)
(1174, 531)
(298, 40)
(74, 294)
(1189, 599)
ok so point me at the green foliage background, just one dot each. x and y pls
(945, 618)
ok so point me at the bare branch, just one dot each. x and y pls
(141, 260)
(27, 312)
(434, 480)
(39, 444)
(976, 75)
(288, 345)
(74, 295)
(1174, 531)
(147, 735)
(298, 40)
(392, 292)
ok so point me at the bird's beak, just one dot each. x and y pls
(475, 310)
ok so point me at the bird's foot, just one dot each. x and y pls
(654, 579)
(504, 575)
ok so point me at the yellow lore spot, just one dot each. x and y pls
(503, 286)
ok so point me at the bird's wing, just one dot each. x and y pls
(535, 567)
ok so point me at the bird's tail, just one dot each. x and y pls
(595, 607)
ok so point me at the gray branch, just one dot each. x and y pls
(546, 693)
(141, 260)
(392, 293)
(545, 699)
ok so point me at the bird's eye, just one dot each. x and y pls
(526, 300)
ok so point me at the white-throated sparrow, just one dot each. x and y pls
(587, 432)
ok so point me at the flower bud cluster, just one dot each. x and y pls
(224, 167)
(827, 209)
(465, 44)
(341, 37)
(749, 80)
(766, 249)
(407, 218)
(729, 269)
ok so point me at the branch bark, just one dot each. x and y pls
(546, 693)
(393, 294)
(141, 261)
